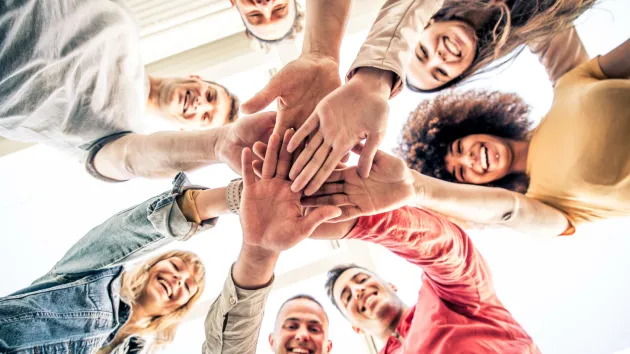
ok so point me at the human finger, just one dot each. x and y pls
(284, 160)
(259, 149)
(303, 132)
(305, 156)
(307, 224)
(333, 199)
(367, 155)
(311, 168)
(323, 172)
(246, 167)
(271, 157)
(329, 188)
(263, 98)
(257, 166)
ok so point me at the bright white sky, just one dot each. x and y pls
(569, 293)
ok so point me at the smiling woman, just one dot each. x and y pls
(465, 37)
(95, 303)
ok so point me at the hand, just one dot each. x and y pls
(241, 134)
(355, 111)
(271, 215)
(299, 87)
(389, 187)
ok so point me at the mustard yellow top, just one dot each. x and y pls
(579, 157)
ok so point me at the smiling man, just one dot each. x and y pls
(270, 21)
(72, 77)
(301, 327)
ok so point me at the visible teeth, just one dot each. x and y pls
(299, 350)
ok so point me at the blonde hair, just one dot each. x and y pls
(162, 328)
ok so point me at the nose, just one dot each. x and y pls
(181, 277)
(358, 291)
(302, 334)
(466, 160)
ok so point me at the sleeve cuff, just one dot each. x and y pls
(168, 219)
(398, 80)
(94, 149)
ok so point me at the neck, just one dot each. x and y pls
(155, 85)
(520, 149)
(392, 328)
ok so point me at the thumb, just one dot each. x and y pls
(367, 155)
(263, 98)
(307, 224)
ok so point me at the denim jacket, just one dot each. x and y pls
(76, 307)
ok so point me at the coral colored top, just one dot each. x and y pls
(457, 310)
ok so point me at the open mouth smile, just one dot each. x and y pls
(300, 350)
(367, 302)
(485, 162)
(451, 47)
(166, 286)
(186, 101)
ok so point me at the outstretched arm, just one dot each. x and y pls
(302, 83)
(392, 185)
(233, 322)
(163, 154)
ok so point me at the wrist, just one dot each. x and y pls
(220, 136)
(211, 203)
(422, 198)
(254, 267)
(376, 80)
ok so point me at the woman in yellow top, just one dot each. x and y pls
(573, 168)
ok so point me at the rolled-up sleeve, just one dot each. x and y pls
(392, 37)
(234, 319)
(132, 233)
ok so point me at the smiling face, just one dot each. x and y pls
(367, 301)
(267, 19)
(444, 51)
(171, 284)
(194, 103)
(479, 158)
(301, 327)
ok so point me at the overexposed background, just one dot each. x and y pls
(570, 294)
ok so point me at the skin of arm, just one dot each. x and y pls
(561, 53)
(325, 25)
(211, 203)
(616, 64)
(485, 205)
(158, 155)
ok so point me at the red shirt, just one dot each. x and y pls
(457, 310)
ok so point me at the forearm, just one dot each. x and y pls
(485, 205)
(325, 25)
(158, 155)
(616, 64)
(561, 53)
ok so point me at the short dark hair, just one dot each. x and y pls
(437, 123)
(302, 297)
(333, 275)
(236, 102)
(297, 27)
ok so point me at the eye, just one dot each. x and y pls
(314, 329)
(362, 280)
(187, 287)
(175, 266)
(461, 173)
(442, 72)
(459, 147)
(211, 96)
(424, 52)
(278, 9)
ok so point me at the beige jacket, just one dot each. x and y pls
(233, 321)
(391, 40)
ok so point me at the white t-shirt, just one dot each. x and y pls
(70, 72)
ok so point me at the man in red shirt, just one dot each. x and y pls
(458, 310)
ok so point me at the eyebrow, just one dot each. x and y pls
(295, 319)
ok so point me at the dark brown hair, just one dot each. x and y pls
(511, 24)
(437, 123)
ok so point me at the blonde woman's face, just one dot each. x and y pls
(172, 283)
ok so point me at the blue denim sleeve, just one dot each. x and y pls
(131, 234)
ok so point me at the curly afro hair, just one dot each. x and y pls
(436, 123)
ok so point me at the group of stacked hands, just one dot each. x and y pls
(294, 160)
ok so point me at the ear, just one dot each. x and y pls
(393, 287)
(271, 341)
(357, 330)
(329, 346)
